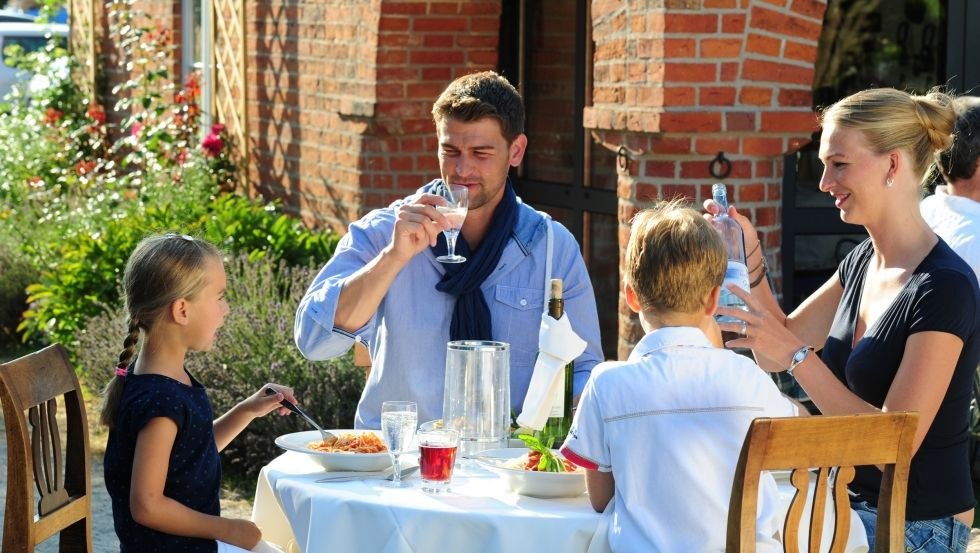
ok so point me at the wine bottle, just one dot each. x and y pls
(731, 235)
(560, 420)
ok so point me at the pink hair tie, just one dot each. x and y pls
(121, 370)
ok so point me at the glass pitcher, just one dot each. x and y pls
(476, 399)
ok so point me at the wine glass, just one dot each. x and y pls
(398, 421)
(458, 201)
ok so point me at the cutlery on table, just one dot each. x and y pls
(325, 434)
(407, 471)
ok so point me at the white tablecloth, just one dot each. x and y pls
(480, 515)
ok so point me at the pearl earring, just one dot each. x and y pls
(889, 182)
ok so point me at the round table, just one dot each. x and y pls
(481, 514)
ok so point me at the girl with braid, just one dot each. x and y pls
(162, 468)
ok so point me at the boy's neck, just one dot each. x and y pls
(651, 321)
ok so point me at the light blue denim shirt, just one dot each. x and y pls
(408, 334)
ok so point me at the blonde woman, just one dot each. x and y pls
(897, 326)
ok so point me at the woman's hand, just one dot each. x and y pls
(751, 236)
(761, 331)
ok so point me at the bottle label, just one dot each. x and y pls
(738, 274)
(558, 402)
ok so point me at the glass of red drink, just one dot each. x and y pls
(437, 455)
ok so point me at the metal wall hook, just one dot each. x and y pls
(623, 158)
(720, 167)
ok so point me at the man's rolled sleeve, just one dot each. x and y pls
(314, 331)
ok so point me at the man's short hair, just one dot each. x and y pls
(959, 161)
(480, 95)
(674, 258)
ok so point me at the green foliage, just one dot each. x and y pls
(82, 276)
(254, 347)
(16, 272)
(83, 204)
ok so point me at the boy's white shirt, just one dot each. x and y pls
(669, 423)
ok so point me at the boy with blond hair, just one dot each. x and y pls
(660, 433)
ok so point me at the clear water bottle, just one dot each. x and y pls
(737, 272)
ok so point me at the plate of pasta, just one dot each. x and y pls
(518, 467)
(353, 450)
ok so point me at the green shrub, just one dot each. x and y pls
(255, 346)
(16, 272)
(80, 279)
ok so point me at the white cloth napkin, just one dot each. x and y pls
(557, 345)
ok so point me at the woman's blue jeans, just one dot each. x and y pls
(943, 535)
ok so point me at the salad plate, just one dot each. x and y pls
(508, 463)
(338, 460)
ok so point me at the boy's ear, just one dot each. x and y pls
(711, 301)
(178, 311)
(632, 301)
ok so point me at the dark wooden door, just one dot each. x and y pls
(546, 51)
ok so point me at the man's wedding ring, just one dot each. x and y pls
(745, 328)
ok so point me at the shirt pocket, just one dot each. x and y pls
(516, 319)
(522, 299)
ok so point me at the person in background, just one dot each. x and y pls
(953, 211)
(162, 468)
(385, 288)
(660, 434)
(898, 322)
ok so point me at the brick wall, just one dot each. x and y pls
(311, 68)
(422, 46)
(678, 81)
(340, 109)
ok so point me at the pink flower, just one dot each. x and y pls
(212, 144)
(217, 128)
(136, 128)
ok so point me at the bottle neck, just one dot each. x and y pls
(556, 308)
(722, 201)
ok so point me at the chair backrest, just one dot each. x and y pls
(37, 465)
(822, 443)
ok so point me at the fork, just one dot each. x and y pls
(325, 434)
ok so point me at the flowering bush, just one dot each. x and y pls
(83, 201)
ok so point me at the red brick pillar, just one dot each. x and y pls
(677, 84)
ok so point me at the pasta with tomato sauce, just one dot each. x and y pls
(350, 443)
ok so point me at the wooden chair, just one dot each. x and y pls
(29, 388)
(824, 442)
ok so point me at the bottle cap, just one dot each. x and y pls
(556, 288)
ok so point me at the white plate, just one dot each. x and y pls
(298, 442)
(530, 482)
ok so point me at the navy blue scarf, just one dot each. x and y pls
(471, 315)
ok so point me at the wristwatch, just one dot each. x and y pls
(798, 358)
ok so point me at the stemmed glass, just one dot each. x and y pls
(398, 422)
(458, 201)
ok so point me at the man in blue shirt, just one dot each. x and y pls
(384, 287)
